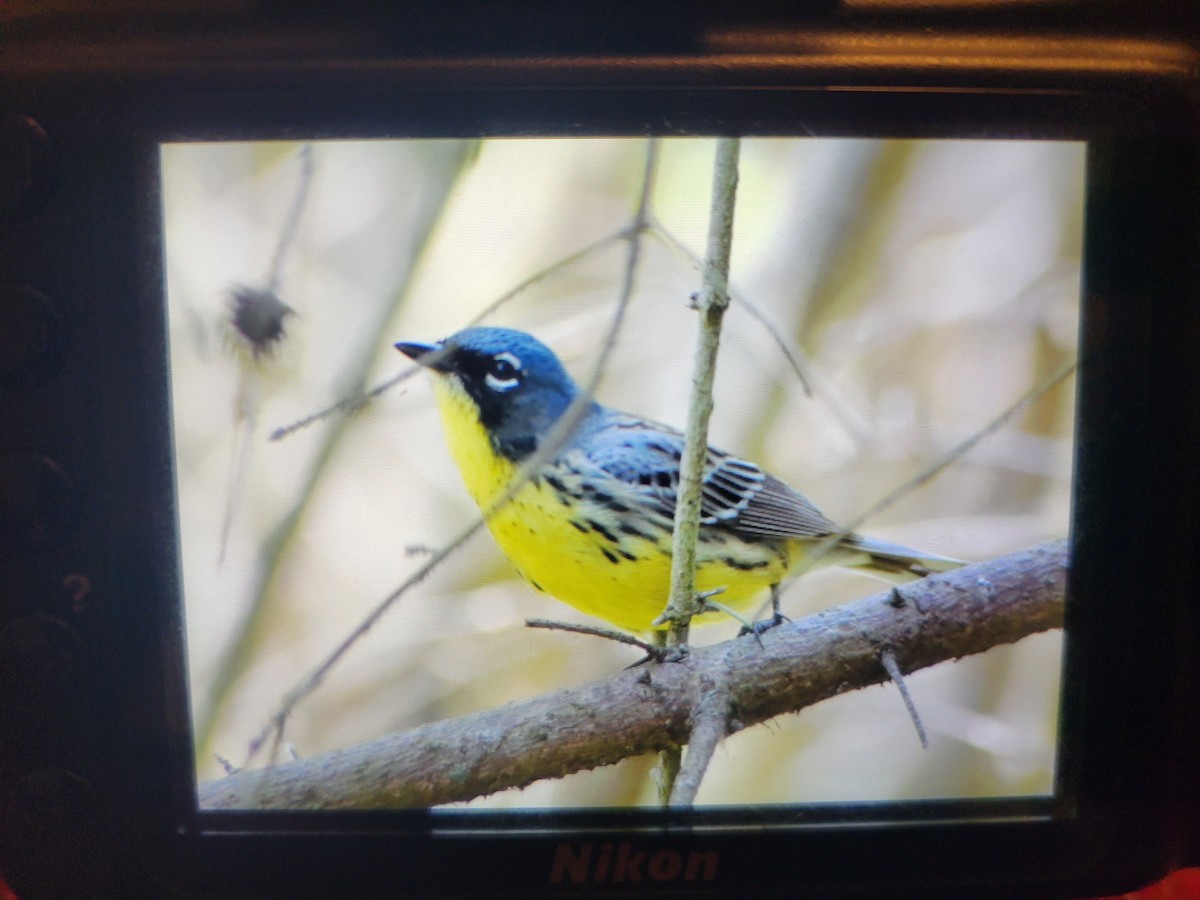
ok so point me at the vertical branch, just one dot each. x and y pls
(257, 319)
(679, 782)
(288, 233)
(711, 304)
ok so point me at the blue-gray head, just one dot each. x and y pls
(515, 382)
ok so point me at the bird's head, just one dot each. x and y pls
(513, 383)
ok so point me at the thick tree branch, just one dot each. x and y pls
(644, 710)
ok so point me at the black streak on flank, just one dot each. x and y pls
(632, 531)
(578, 526)
(610, 557)
(744, 566)
(602, 531)
(604, 499)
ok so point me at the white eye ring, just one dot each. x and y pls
(509, 375)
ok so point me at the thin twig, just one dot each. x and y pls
(625, 232)
(888, 658)
(594, 631)
(792, 354)
(358, 401)
(315, 676)
(813, 555)
(247, 391)
(682, 603)
(552, 443)
(290, 224)
(348, 404)
(711, 305)
(246, 406)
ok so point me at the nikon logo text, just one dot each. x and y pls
(625, 863)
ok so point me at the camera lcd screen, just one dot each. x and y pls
(892, 300)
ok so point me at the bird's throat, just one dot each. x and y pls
(486, 472)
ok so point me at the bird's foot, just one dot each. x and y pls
(762, 626)
(662, 654)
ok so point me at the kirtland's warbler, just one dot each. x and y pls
(593, 525)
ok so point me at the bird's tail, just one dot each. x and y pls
(890, 562)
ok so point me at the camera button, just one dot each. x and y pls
(56, 840)
(38, 504)
(25, 164)
(32, 337)
(39, 666)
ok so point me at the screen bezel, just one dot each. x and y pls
(1093, 822)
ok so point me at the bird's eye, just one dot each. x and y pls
(504, 372)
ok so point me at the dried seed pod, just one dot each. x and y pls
(258, 317)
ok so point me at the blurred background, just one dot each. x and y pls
(925, 285)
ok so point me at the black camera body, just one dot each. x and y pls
(97, 775)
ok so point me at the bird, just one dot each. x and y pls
(592, 525)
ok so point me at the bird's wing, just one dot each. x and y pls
(736, 494)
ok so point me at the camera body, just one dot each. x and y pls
(99, 784)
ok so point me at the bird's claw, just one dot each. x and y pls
(672, 654)
(762, 626)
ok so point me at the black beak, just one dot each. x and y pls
(425, 354)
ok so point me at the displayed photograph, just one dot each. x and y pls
(431, 405)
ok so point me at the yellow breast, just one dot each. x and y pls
(576, 550)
